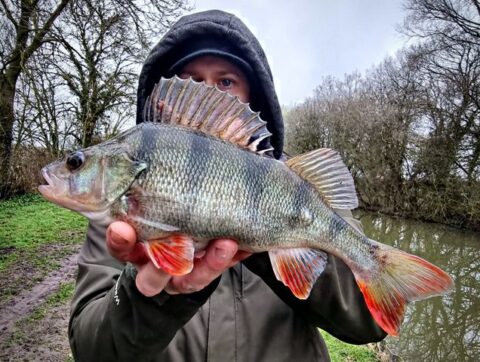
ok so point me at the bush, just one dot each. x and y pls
(26, 166)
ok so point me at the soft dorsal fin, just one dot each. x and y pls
(325, 170)
(207, 109)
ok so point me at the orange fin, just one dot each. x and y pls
(298, 268)
(173, 254)
(401, 278)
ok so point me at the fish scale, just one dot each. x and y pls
(229, 187)
(196, 170)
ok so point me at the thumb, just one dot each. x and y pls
(122, 243)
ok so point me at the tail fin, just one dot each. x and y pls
(401, 278)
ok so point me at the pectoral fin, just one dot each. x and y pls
(298, 268)
(173, 254)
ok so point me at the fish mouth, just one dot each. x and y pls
(57, 191)
(46, 177)
(54, 187)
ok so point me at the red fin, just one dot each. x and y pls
(298, 268)
(173, 254)
(401, 278)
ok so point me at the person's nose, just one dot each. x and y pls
(209, 81)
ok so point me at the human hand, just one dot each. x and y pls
(209, 264)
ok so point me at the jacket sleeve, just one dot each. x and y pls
(110, 320)
(335, 303)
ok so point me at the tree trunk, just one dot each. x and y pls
(7, 95)
(18, 57)
(88, 131)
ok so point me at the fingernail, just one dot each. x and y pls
(223, 254)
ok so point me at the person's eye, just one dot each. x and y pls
(225, 83)
(187, 75)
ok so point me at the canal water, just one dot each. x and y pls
(443, 328)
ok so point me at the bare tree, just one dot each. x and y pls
(448, 163)
(101, 45)
(406, 132)
(43, 109)
(449, 59)
(368, 120)
(90, 50)
(443, 22)
(23, 26)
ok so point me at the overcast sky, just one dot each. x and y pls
(306, 40)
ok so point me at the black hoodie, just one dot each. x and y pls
(243, 317)
(216, 24)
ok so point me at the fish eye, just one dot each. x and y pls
(75, 160)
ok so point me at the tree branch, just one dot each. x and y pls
(9, 14)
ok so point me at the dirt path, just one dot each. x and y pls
(22, 305)
(30, 328)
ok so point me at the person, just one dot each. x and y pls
(230, 307)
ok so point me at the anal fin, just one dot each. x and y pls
(298, 268)
(173, 254)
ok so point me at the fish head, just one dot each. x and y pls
(91, 179)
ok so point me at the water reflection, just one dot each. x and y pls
(438, 329)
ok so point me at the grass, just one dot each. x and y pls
(35, 238)
(31, 227)
(344, 352)
(29, 222)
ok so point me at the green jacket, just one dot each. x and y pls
(246, 315)
(240, 317)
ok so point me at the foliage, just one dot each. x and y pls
(409, 129)
(27, 163)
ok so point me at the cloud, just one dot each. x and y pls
(307, 40)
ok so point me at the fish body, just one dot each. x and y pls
(190, 186)
(198, 174)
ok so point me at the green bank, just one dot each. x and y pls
(36, 235)
(29, 224)
(35, 238)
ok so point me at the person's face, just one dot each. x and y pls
(220, 72)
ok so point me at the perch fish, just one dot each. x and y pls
(196, 170)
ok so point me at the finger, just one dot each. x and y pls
(122, 243)
(151, 281)
(218, 257)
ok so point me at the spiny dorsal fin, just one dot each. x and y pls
(205, 108)
(325, 170)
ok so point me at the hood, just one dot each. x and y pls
(217, 24)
